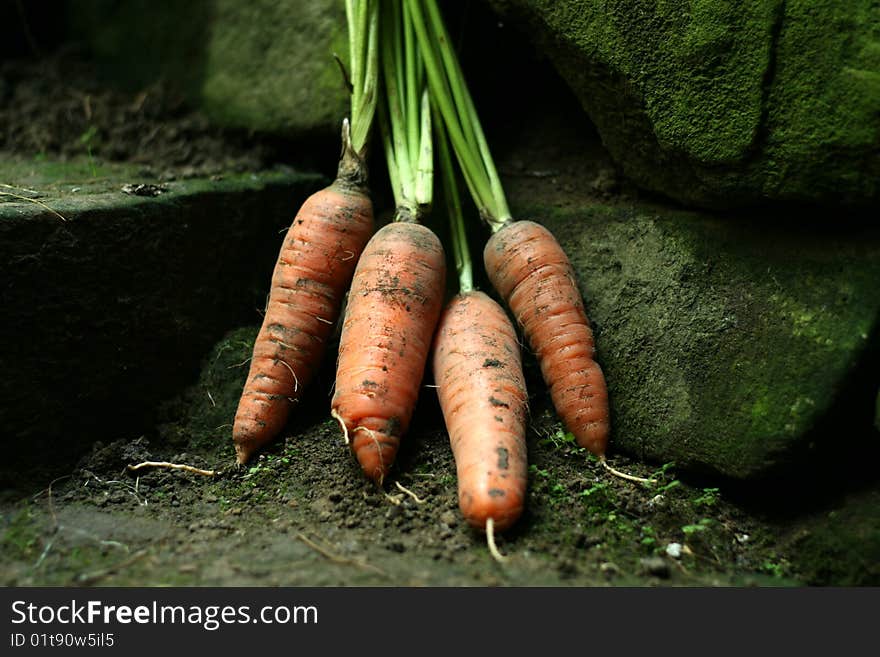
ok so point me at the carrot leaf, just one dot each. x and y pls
(362, 17)
(460, 250)
(450, 92)
(405, 114)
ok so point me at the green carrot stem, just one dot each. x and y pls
(456, 106)
(424, 189)
(411, 85)
(405, 116)
(453, 71)
(393, 72)
(388, 145)
(438, 82)
(362, 17)
(460, 251)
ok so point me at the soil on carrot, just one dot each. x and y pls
(302, 514)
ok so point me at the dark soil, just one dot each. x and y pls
(55, 107)
(302, 513)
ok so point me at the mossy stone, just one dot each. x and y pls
(112, 299)
(728, 348)
(719, 104)
(260, 65)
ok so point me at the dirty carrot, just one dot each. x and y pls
(316, 262)
(397, 291)
(482, 391)
(523, 260)
(393, 307)
(531, 272)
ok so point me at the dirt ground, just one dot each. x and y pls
(302, 513)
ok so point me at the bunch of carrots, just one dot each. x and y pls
(395, 319)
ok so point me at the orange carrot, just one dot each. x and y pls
(531, 272)
(316, 262)
(397, 292)
(481, 387)
(393, 308)
(523, 260)
(311, 276)
(482, 392)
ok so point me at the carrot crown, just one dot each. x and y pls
(362, 17)
(450, 92)
(405, 117)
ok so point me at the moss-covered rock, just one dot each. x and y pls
(260, 65)
(728, 347)
(112, 299)
(717, 103)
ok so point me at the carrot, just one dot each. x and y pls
(526, 265)
(393, 308)
(531, 272)
(481, 388)
(482, 393)
(315, 264)
(397, 292)
(313, 272)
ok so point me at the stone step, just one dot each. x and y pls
(114, 287)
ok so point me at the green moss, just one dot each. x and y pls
(724, 344)
(269, 65)
(695, 71)
(21, 538)
(260, 65)
(717, 103)
(822, 107)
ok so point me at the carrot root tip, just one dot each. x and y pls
(339, 419)
(416, 498)
(381, 469)
(623, 475)
(490, 541)
(241, 455)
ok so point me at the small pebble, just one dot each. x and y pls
(674, 550)
(656, 566)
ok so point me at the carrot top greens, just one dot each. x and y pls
(450, 92)
(460, 250)
(405, 117)
(362, 18)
